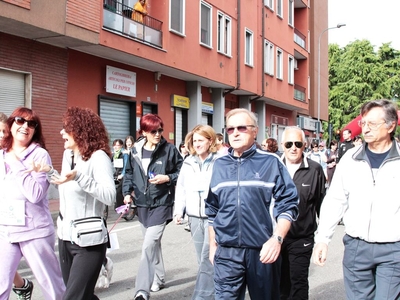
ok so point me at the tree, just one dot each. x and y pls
(358, 74)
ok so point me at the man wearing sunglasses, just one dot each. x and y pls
(363, 192)
(250, 206)
(297, 247)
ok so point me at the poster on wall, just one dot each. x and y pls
(121, 82)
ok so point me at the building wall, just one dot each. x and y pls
(87, 80)
(319, 22)
(48, 68)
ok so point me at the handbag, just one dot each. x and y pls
(88, 232)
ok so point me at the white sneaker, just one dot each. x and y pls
(157, 286)
(141, 296)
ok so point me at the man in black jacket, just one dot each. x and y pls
(345, 145)
(297, 247)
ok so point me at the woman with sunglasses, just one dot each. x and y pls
(26, 224)
(150, 178)
(191, 191)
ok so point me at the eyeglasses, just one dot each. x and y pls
(242, 128)
(264, 145)
(371, 125)
(289, 145)
(159, 131)
(21, 121)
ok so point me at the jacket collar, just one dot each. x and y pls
(245, 154)
(394, 152)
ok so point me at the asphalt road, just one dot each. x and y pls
(181, 266)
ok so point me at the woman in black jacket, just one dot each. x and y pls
(150, 177)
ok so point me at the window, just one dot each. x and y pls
(249, 48)
(290, 13)
(279, 64)
(269, 4)
(279, 8)
(177, 16)
(205, 26)
(16, 86)
(224, 34)
(291, 70)
(269, 58)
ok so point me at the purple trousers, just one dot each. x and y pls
(40, 255)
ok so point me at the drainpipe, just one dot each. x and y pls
(262, 53)
(238, 32)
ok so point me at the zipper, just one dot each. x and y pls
(238, 204)
(88, 232)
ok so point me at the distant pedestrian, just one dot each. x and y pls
(362, 193)
(331, 155)
(345, 145)
(271, 145)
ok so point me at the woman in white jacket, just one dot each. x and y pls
(191, 190)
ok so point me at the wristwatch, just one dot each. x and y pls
(278, 238)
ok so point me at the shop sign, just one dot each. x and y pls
(207, 108)
(121, 82)
(180, 101)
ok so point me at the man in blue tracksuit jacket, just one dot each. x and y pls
(250, 206)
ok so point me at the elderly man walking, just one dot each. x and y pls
(362, 192)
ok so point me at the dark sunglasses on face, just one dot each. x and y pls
(159, 131)
(289, 145)
(21, 121)
(242, 128)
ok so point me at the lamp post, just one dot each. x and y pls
(319, 74)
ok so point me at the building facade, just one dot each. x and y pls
(190, 61)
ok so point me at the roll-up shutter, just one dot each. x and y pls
(147, 109)
(12, 91)
(204, 119)
(178, 126)
(116, 118)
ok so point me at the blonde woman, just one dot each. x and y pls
(191, 190)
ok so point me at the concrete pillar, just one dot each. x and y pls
(260, 111)
(193, 89)
(244, 102)
(219, 110)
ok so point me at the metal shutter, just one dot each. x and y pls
(178, 126)
(12, 91)
(147, 109)
(204, 119)
(116, 118)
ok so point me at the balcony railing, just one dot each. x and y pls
(299, 93)
(299, 38)
(117, 17)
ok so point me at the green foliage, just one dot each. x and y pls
(358, 74)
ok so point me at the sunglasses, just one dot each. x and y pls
(21, 121)
(242, 128)
(159, 131)
(289, 145)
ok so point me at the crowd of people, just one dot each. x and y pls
(257, 215)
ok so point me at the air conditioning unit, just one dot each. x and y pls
(295, 64)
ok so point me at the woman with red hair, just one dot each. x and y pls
(150, 178)
(86, 186)
(26, 225)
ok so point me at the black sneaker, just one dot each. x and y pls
(24, 293)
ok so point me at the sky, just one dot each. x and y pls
(375, 20)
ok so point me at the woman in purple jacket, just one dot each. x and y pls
(26, 225)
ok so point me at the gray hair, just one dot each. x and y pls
(303, 136)
(236, 111)
(389, 109)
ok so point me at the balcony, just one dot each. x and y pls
(299, 38)
(299, 93)
(117, 17)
